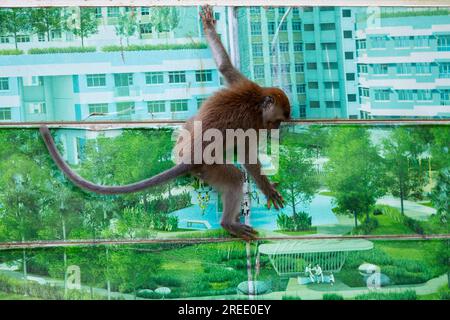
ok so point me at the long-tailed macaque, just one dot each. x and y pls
(243, 105)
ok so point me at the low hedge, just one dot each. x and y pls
(149, 47)
(405, 295)
(10, 52)
(61, 50)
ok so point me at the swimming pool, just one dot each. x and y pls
(261, 217)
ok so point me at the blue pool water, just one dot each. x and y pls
(319, 209)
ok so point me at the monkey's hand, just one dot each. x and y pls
(274, 197)
(207, 16)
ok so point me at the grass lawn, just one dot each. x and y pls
(388, 225)
(298, 233)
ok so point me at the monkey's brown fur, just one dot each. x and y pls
(243, 105)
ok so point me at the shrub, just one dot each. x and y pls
(286, 297)
(10, 52)
(405, 295)
(413, 225)
(147, 47)
(444, 293)
(297, 222)
(61, 50)
(332, 296)
(367, 226)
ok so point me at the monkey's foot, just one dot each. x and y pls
(241, 230)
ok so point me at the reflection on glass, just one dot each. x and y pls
(342, 62)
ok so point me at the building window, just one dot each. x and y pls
(154, 77)
(145, 28)
(444, 70)
(421, 41)
(298, 46)
(361, 44)
(348, 34)
(41, 37)
(98, 12)
(123, 79)
(314, 104)
(4, 39)
(296, 26)
(283, 26)
(22, 38)
(423, 68)
(179, 105)
(200, 101)
(5, 114)
(257, 49)
(424, 95)
(309, 27)
(255, 29)
(259, 70)
(328, 46)
(351, 97)
(362, 68)
(346, 13)
(302, 111)
(145, 11)
(405, 95)
(98, 108)
(271, 27)
(333, 104)
(311, 66)
(378, 42)
(349, 55)
(4, 84)
(295, 11)
(380, 68)
(36, 108)
(299, 68)
(281, 10)
(403, 68)
(330, 65)
(350, 76)
(444, 43)
(203, 75)
(217, 16)
(310, 46)
(445, 98)
(313, 85)
(284, 46)
(331, 85)
(113, 12)
(327, 26)
(156, 106)
(364, 92)
(177, 77)
(301, 88)
(401, 42)
(326, 8)
(285, 67)
(96, 80)
(307, 9)
(125, 108)
(382, 95)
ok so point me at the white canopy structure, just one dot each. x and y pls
(289, 258)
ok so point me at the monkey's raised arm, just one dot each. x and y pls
(87, 185)
(221, 57)
(264, 185)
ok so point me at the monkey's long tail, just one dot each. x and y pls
(167, 175)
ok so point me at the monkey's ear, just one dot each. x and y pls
(268, 101)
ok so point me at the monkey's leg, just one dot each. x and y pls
(229, 180)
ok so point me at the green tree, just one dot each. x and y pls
(354, 172)
(297, 176)
(126, 26)
(14, 21)
(45, 20)
(402, 151)
(82, 22)
(164, 19)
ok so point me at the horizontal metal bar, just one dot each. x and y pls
(104, 125)
(101, 242)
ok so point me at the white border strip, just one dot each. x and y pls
(296, 3)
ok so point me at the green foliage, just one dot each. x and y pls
(127, 25)
(415, 13)
(367, 226)
(440, 195)
(14, 21)
(61, 50)
(10, 52)
(82, 22)
(405, 295)
(300, 221)
(45, 20)
(332, 296)
(164, 19)
(150, 47)
(289, 297)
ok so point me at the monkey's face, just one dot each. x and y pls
(276, 108)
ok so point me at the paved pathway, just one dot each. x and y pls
(412, 209)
